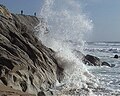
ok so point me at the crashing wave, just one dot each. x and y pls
(63, 30)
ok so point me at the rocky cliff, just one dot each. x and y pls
(25, 63)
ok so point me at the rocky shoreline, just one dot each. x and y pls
(25, 63)
(27, 67)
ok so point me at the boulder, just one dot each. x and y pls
(106, 64)
(91, 60)
(116, 56)
(95, 61)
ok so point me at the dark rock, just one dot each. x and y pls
(95, 61)
(116, 56)
(105, 64)
(41, 93)
(92, 60)
(23, 85)
(3, 79)
(14, 78)
(112, 65)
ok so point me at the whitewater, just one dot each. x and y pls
(64, 29)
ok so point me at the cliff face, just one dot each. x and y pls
(25, 63)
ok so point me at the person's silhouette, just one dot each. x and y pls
(35, 14)
(21, 12)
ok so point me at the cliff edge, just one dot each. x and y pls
(25, 63)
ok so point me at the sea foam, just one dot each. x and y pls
(64, 25)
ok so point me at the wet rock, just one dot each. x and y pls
(107, 64)
(95, 61)
(78, 54)
(112, 65)
(91, 60)
(116, 56)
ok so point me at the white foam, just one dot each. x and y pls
(66, 23)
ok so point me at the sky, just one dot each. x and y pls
(105, 15)
(28, 6)
(106, 19)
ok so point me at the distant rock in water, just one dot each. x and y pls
(92, 60)
(116, 56)
(25, 63)
(95, 61)
(107, 64)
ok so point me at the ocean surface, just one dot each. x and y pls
(109, 77)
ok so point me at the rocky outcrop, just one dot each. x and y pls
(92, 60)
(7, 91)
(25, 63)
(95, 61)
(116, 56)
(4, 12)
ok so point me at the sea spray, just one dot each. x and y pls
(63, 28)
(66, 23)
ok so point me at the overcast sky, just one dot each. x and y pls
(104, 13)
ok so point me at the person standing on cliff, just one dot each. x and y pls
(21, 12)
(35, 14)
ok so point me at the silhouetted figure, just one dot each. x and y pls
(116, 56)
(21, 12)
(35, 14)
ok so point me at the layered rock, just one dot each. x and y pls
(7, 91)
(4, 12)
(25, 63)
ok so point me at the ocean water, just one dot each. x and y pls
(109, 77)
(63, 28)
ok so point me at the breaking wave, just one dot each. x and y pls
(63, 30)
